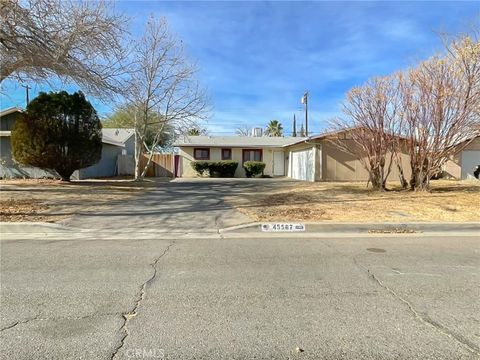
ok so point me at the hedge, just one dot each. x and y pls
(200, 166)
(224, 168)
(253, 168)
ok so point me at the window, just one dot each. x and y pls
(201, 154)
(252, 155)
(226, 154)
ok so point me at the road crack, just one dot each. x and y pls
(141, 296)
(55, 318)
(19, 322)
(423, 318)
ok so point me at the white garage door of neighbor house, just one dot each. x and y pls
(470, 160)
(303, 165)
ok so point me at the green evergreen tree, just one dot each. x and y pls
(302, 131)
(58, 131)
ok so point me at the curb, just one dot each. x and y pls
(364, 228)
(9, 227)
(254, 229)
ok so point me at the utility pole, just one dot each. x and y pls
(294, 132)
(305, 102)
(306, 113)
(26, 92)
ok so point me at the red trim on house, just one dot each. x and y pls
(244, 150)
(230, 152)
(201, 158)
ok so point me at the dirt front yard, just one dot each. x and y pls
(54, 201)
(454, 201)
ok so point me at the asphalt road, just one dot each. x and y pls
(66, 296)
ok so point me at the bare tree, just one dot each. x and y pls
(440, 102)
(163, 89)
(369, 127)
(243, 131)
(72, 40)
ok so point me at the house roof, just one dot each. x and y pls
(113, 136)
(10, 111)
(460, 146)
(117, 137)
(320, 136)
(236, 141)
(331, 133)
(108, 137)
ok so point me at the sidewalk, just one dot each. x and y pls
(22, 229)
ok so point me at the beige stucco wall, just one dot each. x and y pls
(453, 167)
(339, 165)
(333, 164)
(186, 155)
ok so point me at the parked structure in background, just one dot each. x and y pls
(117, 146)
(464, 163)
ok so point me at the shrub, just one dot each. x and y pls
(58, 131)
(224, 168)
(200, 166)
(253, 168)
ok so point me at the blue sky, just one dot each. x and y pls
(257, 58)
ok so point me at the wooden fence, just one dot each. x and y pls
(162, 165)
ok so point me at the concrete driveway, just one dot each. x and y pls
(182, 205)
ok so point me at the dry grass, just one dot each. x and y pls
(353, 202)
(53, 201)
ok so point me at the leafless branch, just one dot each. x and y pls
(162, 83)
(78, 41)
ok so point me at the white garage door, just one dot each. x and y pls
(470, 160)
(302, 165)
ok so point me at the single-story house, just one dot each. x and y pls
(314, 158)
(117, 145)
(115, 142)
(464, 162)
(270, 150)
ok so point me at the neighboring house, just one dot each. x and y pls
(8, 168)
(314, 158)
(115, 142)
(465, 161)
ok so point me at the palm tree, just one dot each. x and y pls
(196, 132)
(274, 128)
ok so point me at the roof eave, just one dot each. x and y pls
(230, 146)
(10, 111)
(110, 142)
